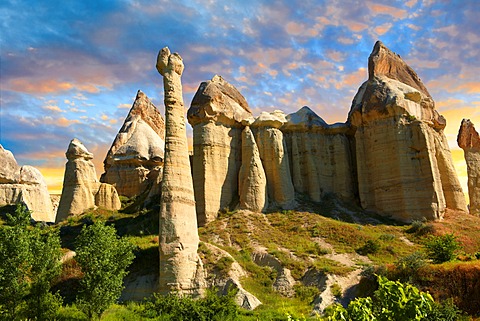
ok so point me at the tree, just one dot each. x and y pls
(29, 261)
(104, 258)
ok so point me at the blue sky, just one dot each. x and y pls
(72, 68)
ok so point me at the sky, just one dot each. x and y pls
(71, 69)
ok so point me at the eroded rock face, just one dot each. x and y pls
(469, 140)
(24, 184)
(137, 150)
(181, 269)
(320, 156)
(81, 189)
(404, 165)
(216, 114)
(274, 156)
(252, 180)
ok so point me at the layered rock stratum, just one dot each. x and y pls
(320, 156)
(469, 140)
(181, 269)
(216, 115)
(81, 189)
(24, 184)
(135, 159)
(404, 164)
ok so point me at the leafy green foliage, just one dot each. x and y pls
(442, 248)
(103, 257)
(392, 301)
(210, 308)
(29, 261)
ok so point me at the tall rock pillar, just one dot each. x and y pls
(180, 265)
(404, 165)
(469, 140)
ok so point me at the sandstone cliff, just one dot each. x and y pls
(274, 156)
(135, 158)
(180, 266)
(404, 165)
(81, 188)
(469, 140)
(216, 114)
(320, 156)
(24, 184)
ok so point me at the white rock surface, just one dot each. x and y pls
(26, 185)
(81, 189)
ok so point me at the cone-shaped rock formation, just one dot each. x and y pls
(180, 266)
(252, 180)
(81, 188)
(135, 158)
(469, 140)
(404, 164)
(24, 184)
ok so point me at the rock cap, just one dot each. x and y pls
(275, 119)
(219, 101)
(76, 149)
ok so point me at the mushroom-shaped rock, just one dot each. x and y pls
(320, 155)
(181, 270)
(81, 188)
(137, 149)
(24, 184)
(404, 164)
(274, 156)
(469, 140)
(217, 114)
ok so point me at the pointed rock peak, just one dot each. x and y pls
(144, 108)
(76, 149)
(384, 62)
(305, 118)
(468, 137)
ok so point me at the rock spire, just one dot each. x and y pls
(81, 189)
(180, 266)
(135, 158)
(404, 164)
(469, 140)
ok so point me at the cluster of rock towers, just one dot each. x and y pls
(390, 156)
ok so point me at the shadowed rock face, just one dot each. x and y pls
(180, 266)
(404, 164)
(216, 115)
(320, 156)
(137, 152)
(81, 188)
(24, 184)
(469, 140)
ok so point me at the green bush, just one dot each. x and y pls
(306, 293)
(392, 301)
(442, 248)
(210, 308)
(408, 266)
(370, 247)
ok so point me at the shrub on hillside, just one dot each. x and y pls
(442, 248)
